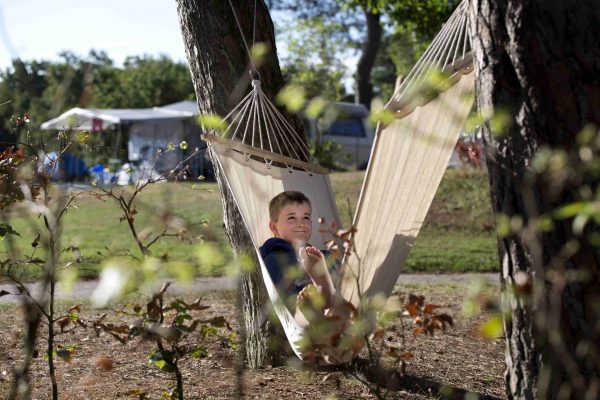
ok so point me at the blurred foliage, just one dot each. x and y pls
(174, 327)
(326, 152)
(312, 57)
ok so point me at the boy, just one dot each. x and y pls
(288, 252)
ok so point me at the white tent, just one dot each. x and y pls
(147, 130)
(94, 119)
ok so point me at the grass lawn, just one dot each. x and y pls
(457, 235)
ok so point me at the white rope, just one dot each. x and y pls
(289, 147)
(293, 134)
(455, 31)
(242, 32)
(270, 127)
(438, 54)
(284, 127)
(462, 31)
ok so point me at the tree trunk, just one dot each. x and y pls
(538, 62)
(219, 65)
(370, 47)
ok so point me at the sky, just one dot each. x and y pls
(41, 29)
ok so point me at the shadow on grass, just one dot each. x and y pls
(390, 379)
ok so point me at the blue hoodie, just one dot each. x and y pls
(281, 262)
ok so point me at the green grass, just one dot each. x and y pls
(457, 234)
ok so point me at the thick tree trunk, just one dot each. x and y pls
(219, 66)
(370, 47)
(538, 61)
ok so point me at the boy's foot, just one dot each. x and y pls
(314, 264)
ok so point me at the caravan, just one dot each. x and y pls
(345, 124)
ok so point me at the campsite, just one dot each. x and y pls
(330, 199)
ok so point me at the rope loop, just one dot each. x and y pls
(255, 76)
(247, 156)
(269, 163)
(256, 85)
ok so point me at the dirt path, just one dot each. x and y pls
(83, 289)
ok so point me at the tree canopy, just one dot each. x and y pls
(333, 29)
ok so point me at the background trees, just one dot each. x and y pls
(45, 89)
(391, 35)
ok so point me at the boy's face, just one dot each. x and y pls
(294, 223)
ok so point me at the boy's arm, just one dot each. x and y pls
(278, 261)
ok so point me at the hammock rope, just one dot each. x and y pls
(451, 40)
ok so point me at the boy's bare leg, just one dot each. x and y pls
(314, 264)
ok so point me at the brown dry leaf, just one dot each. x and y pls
(63, 323)
(412, 309)
(429, 308)
(446, 319)
(76, 307)
(104, 362)
(417, 331)
(416, 300)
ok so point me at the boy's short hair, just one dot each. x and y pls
(283, 199)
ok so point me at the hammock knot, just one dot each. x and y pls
(256, 83)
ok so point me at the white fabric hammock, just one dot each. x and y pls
(253, 184)
(407, 163)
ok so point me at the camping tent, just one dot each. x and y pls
(148, 130)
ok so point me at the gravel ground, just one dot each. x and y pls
(83, 289)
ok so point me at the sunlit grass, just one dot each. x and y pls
(457, 234)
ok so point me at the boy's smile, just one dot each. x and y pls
(294, 223)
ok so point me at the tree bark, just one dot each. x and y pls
(370, 47)
(219, 66)
(538, 62)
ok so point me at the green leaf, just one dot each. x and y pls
(315, 107)
(503, 225)
(218, 322)
(492, 328)
(570, 210)
(292, 97)
(162, 360)
(212, 121)
(199, 351)
(73, 316)
(208, 331)
(258, 52)
(7, 229)
(180, 319)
